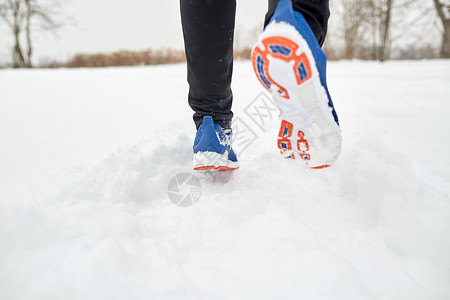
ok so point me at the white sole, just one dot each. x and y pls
(213, 161)
(308, 130)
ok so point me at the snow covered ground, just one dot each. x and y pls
(86, 157)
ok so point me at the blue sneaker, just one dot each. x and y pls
(212, 148)
(289, 62)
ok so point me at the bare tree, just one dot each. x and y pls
(354, 15)
(371, 29)
(368, 27)
(378, 27)
(12, 12)
(443, 11)
(28, 15)
(20, 16)
(386, 15)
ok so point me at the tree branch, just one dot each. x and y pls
(439, 8)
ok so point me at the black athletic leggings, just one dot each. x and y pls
(208, 29)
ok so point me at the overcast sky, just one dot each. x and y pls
(109, 25)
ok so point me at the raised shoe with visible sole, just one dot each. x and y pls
(212, 148)
(289, 62)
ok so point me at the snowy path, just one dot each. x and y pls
(86, 157)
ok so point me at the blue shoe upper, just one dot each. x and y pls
(211, 138)
(285, 13)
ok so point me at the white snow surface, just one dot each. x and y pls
(86, 157)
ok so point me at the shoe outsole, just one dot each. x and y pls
(212, 161)
(285, 66)
(215, 168)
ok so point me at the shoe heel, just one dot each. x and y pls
(282, 48)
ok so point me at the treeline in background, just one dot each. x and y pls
(358, 29)
(125, 58)
(389, 29)
(132, 58)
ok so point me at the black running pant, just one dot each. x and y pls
(208, 29)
